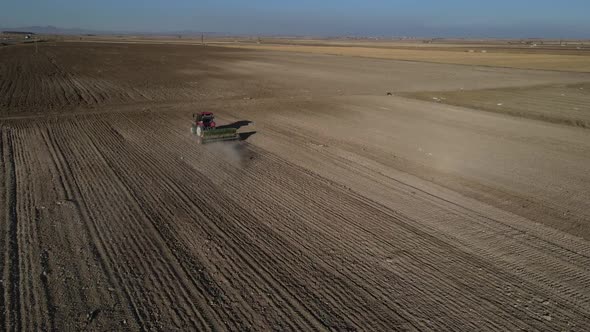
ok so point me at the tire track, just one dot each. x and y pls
(458, 231)
(291, 250)
(27, 236)
(564, 257)
(267, 175)
(48, 274)
(11, 259)
(100, 243)
(4, 226)
(129, 153)
(287, 190)
(162, 262)
(228, 209)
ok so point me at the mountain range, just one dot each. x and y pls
(52, 30)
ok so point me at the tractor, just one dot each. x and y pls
(205, 128)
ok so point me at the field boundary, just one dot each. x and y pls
(578, 66)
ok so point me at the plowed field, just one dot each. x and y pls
(340, 208)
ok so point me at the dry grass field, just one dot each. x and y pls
(341, 207)
(564, 62)
(561, 103)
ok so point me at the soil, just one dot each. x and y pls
(558, 103)
(341, 208)
(566, 59)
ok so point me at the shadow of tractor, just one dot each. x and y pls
(237, 125)
(245, 136)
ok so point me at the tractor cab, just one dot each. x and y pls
(205, 120)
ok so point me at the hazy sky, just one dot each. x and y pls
(469, 18)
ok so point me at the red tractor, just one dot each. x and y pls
(205, 128)
(202, 121)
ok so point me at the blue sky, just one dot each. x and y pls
(466, 18)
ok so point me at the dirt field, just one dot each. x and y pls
(342, 208)
(577, 61)
(559, 103)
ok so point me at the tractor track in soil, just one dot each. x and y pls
(115, 219)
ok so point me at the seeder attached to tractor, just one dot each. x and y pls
(204, 127)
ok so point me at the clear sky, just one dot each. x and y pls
(465, 18)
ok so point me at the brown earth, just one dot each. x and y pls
(573, 61)
(558, 103)
(342, 208)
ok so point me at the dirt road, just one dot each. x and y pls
(343, 208)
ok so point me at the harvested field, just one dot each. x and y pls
(60, 78)
(340, 209)
(565, 104)
(504, 58)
